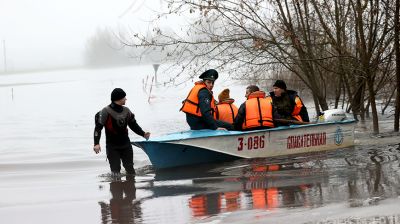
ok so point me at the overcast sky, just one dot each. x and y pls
(46, 33)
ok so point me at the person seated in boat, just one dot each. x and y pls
(199, 105)
(256, 112)
(287, 105)
(225, 110)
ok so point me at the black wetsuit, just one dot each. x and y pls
(116, 119)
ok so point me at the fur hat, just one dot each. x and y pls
(224, 95)
(210, 74)
(280, 84)
(117, 94)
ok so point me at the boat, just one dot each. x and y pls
(208, 146)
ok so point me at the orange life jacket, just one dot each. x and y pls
(258, 111)
(198, 204)
(297, 108)
(226, 111)
(232, 200)
(258, 196)
(272, 197)
(265, 168)
(265, 198)
(191, 103)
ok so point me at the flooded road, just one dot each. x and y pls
(49, 173)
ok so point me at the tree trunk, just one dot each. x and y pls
(357, 98)
(397, 52)
(367, 109)
(316, 104)
(387, 103)
(370, 85)
(362, 106)
(338, 92)
(323, 103)
(344, 96)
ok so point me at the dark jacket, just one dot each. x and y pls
(283, 106)
(239, 119)
(115, 119)
(206, 121)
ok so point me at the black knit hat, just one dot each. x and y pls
(117, 94)
(210, 74)
(280, 84)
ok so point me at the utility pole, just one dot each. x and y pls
(5, 57)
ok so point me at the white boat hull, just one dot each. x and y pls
(276, 142)
(189, 147)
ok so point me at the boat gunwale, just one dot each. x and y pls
(219, 133)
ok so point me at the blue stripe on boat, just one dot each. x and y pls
(164, 155)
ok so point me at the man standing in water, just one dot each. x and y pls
(115, 118)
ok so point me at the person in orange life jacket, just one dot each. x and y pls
(199, 105)
(116, 118)
(287, 104)
(256, 112)
(225, 109)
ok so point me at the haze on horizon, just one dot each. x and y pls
(49, 34)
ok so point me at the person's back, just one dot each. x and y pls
(225, 109)
(115, 118)
(256, 112)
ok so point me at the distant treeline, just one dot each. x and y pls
(106, 48)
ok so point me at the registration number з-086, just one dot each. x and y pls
(251, 142)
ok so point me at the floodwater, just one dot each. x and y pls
(49, 173)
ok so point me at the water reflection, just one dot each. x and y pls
(205, 204)
(122, 208)
(258, 187)
(360, 177)
(355, 177)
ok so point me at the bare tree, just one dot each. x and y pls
(338, 48)
(397, 50)
(254, 38)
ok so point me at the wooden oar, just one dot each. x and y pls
(286, 121)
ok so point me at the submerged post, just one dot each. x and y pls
(155, 66)
(151, 88)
